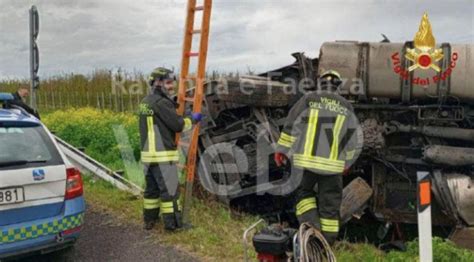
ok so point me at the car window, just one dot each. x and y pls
(26, 146)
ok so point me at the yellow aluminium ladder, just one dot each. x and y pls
(184, 84)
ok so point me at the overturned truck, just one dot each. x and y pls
(413, 119)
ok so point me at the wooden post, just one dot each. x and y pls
(52, 98)
(116, 103)
(103, 101)
(98, 101)
(38, 101)
(87, 94)
(60, 100)
(45, 99)
(121, 103)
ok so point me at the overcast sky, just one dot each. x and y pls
(83, 35)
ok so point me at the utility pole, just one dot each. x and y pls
(34, 55)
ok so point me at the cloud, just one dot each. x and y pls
(83, 35)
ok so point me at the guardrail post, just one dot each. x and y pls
(424, 217)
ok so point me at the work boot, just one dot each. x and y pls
(151, 214)
(150, 218)
(330, 238)
(149, 225)
(170, 222)
(186, 226)
(179, 219)
(173, 222)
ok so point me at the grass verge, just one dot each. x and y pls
(216, 234)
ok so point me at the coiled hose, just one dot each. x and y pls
(313, 245)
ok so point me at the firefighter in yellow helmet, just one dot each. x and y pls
(320, 135)
(159, 124)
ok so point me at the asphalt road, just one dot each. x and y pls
(104, 238)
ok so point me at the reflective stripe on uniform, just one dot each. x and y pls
(305, 205)
(153, 156)
(330, 225)
(321, 163)
(159, 157)
(167, 207)
(321, 167)
(188, 124)
(286, 140)
(170, 153)
(311, 132)
(151, 134)
(336, 132)
(317, 159)
(308, 160)
(287, 137)
(151, 203)
(284, 143)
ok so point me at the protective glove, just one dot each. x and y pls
(196, 117)
(280, 159)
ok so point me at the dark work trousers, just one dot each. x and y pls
(321, 209)
(162, 194)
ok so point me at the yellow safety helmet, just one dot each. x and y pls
(331, 73)
(161, 73)
(330, 77)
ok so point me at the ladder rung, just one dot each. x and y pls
(197, 31)
(189, 99)
(199, 8)
(191, 54)
(181, 166)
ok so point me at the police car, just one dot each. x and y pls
(41, 193)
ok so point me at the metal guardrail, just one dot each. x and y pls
(86, 163)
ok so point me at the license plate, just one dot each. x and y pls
(11, 195)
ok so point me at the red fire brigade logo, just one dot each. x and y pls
(424, 56)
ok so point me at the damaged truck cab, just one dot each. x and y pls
(413, 119)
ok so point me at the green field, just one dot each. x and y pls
(216, 228)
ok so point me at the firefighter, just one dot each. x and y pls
(159, 124)
(319, 134)
(18, 100)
